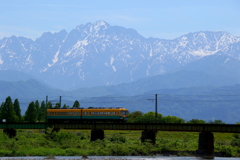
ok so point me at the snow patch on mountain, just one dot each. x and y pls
(202, 53)
(110, 54)
(1, 61)
(55, 59)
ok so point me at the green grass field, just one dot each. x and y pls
(116, 143)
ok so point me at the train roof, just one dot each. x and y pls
(93, 108)
(105, 108)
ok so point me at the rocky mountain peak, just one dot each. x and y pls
(110, 54)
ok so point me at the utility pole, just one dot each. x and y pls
(156, 106)
(60, 101)
(46, 100)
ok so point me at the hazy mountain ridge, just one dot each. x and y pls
(97, 54)
(26, 90)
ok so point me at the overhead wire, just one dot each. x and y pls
(163, 98)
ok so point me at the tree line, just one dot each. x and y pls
(10, 111)
(36, 112)
(151, 117)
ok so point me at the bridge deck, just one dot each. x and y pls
(228, 128)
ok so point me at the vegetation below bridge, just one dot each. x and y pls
(116, 143)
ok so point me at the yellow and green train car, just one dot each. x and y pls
(90, 114)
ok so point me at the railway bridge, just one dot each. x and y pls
(149, 131)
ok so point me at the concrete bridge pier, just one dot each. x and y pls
(205, 145)
(10, 132)
(149, 135)
(97, 134)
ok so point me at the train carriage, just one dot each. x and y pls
(117, 114)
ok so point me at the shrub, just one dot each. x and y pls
(118, 138)
(227, 151)
(81, 135)
(70, 152)
(236, 140)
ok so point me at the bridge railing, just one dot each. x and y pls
(228, 128)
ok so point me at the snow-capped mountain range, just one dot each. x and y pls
(96, 54)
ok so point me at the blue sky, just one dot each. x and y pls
(165, 19)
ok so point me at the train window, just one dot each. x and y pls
(92, 113)
(104, 113)
(101, 113)
(123, 112)
(109, 113)
(85, 113)
(114, 113)
(50, 113)
(96, 113)
(59, 113)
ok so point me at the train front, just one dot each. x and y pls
(124, 114)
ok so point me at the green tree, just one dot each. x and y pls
(57, 105)
(216, 122)
(37, 110)
(16, 106)
(149, 117)
(76, 104)
(65, 106)
(172, 119)
(7, 111)
(30, 114)
(132, 116)
(1, 108)
(42, 112)
(49, 105)
(196, 121)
